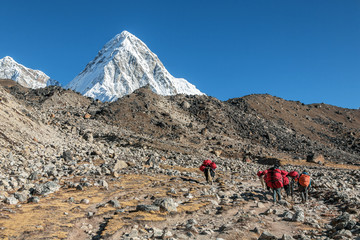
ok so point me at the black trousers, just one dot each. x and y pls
(304, 193)
(209, 172)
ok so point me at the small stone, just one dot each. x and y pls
(166, 204)
(34, 199)
(287, 237)
(67, 155)
(120, 164)
(299, 216)
(284, 203)
(192, 221)
(85, 201)
(134, 233)
(115, 203)
(288, 216)
(157, 233)
(267, 236)
(260, 205)
(147, 208)
(104, 184)
(11, 200)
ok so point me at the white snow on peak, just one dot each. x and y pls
(10, 69)
(123, 65)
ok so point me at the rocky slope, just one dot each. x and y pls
(123, 65)
(75, 168)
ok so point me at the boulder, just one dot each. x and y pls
(166, 204)
(68, 156)
(120, 164)
(11, 200)
(315, 158)
(22, 196)
(45, 188)
(147, 208)
(299, 216)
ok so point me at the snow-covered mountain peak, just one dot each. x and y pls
(10, 69)
(123, 65)
(7, 59)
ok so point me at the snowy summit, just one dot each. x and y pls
(10, 69)
(123, 65)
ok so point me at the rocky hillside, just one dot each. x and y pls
(75, 168)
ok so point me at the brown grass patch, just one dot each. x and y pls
(180, 169)
(119, 221)
(48, 219)
(191, 206)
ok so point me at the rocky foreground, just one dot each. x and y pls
(75, 168)
(156, 195)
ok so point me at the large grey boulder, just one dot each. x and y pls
(120, 164)
(166, 204)
(11, 200)
(299, 216)
(45, 188)
(68, 156)
(22, 196)
(147, 208)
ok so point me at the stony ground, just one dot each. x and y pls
(157, 198)
(74, 168)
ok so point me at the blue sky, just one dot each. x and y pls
(297, 50)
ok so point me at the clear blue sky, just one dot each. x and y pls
(306, 50)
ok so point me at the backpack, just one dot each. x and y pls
(206, 162)
(304, 180)
(293, 174)
(274, 178)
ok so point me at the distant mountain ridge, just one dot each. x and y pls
(10, 69)
(123, 65)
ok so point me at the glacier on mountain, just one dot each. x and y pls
(123, 65)
(10, 69)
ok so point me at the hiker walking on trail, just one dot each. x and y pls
(261, 177)
(208, 167)
(304, 186)
(286, 182)
(294, 177)
(275, 181)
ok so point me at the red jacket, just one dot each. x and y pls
(208, 163)
(273, 178)
(285, 178)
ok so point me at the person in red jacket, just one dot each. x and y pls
(263, 178)
(208, 167)
(294, 175)
(274, 180)
(286, 182)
